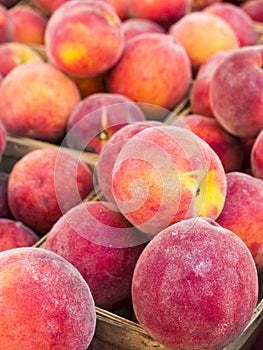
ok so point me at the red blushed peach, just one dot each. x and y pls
(84, 38)
(97, 117)
(14, 234)
(14, 53)
(44, 184)
(238, 20)
(44, 99)
(163, 12)
(199, 93)
(235, 91)
(29, 24)
(4, 206)
(256, 157)
(103, 246)
(135, 26)
(242, 212)
(254, 8)
(153, 69)
(195, 286)
(202, 35)
(45, 303)
(165, 174)
(6, 25)
(110, 153)
(227, 147)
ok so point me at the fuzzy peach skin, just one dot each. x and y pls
(44, 99)
(14, 234)
(135, 26)
(84, 38)
(103, 246)
(6, 25)
(254, 8)
(163, 12)
(199, 94)
(203, 35)
(4, 206)
(227, 147)
(14, 53)
(44, 184)
(238, 20)
(97, 117)
(242, 212)
(45, 303)
(109, 154)
(236, 92)
(165, 174)
(256, 157)
(153, 69)
(195, 286)
(29, 24)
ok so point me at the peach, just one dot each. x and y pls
(195, 286)
(14, 53)
(14, 234)
(199, 94)
(238, 20)
(44, 184)
(6, 25)
(84, 38)
(254, 8)
(103, 246)
(48, 6)
(256, 156)
(242, 212)
(202, 35)
(29, 24)
(89, 86)
(235, 91)
(97, 117)
(135, 26)
(165, 174)
(227, 147)
(4, 206)
(110, 151)
(153, 70)
(164, 12)
(45, 302)
(36, 100)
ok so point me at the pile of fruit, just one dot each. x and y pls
(174, 230)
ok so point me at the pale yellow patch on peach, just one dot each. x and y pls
(72, 52)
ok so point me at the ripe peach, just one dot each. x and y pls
(238, 20)
(254, 8)
(134, 26)
(199, 94)
(103, 246)
(227, 147)
(242, 212)
(44, 302)
(164, 174)
(256, 156)
(4, 206)
(163, 12)
(14, 53)
(195, 286)
(110, 153)
(153, 69)
(6, 25)
(202, 35)
(44, 184)
(84, 38)
(235, 91)
(44, 99)
(97, 117)
(14, 234)
(29, 24)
